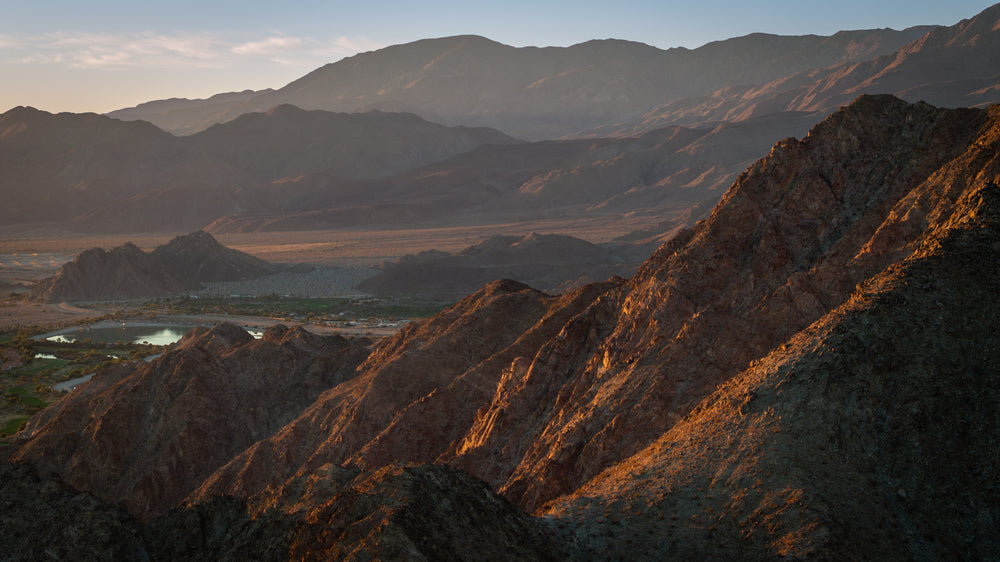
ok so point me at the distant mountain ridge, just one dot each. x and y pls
(530, 92)
(291, 169)
(952, 66)
(90, 172)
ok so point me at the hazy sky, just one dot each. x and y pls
(100, 55)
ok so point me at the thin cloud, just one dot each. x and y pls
(268, 46)
(122, 51)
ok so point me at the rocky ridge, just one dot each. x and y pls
(795, 375)
(783, 248)
(949, 66)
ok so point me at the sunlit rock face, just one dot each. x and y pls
(537, 395)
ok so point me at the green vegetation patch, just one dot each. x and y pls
(12, 426)
(28, 388)
(286, 307)
(28, 397)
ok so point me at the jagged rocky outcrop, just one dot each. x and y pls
(876, 425)
(810, 368)
(146, 434)
(548, 262)
(127, 272)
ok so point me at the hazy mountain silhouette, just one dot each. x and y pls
(530, 92)
(550, 262)
(949, 66)
(112, 176)
(667, 170)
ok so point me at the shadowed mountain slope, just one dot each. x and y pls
(396, 513)
(949, 66)
(95, 173)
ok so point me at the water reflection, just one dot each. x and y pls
(152, 335)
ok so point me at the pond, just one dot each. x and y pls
(158, 334)
(153, 335)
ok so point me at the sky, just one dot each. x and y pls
(101, 55)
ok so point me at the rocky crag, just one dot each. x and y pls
(127, 272)
(810, 368)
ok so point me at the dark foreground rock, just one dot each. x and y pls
(397, 513)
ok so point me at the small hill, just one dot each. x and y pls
(549, 262)
(203, 259)
(126, 272)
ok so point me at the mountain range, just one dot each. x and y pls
(684, 124)
(532, 93)
(90, 172)
(809, 369)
